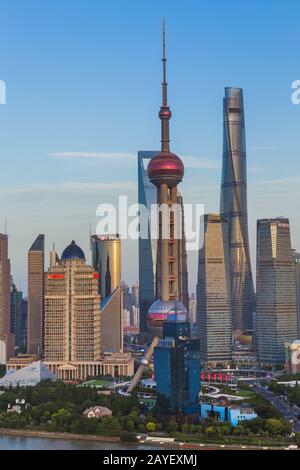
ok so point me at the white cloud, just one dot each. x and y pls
(279, 182)
(69, 186)
(190, 162)
(201, 163)
(97, 155)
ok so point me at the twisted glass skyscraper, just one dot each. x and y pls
(234, 210)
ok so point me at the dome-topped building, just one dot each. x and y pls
(72, 251)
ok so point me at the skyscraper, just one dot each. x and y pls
(112, 322)
(6, 338)
(213, 295)
(35, 321)
(233, 208)
(72, 313)
(147, 246)
(275, 290)
(135, 317)
(18, 315)
(296, 260)
(76, 331)
(106, 259)
(177, 369)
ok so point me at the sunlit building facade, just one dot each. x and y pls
(72, 311)
(275, 290)
(36, 288)
(296, 260)
(106, 260)
(7, 339)
(213, 295)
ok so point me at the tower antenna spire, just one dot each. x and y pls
(164, 61)
(164, 113)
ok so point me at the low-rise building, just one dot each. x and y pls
(28, 376)
(20, 361)
(98, 412)
(17, 407)
(292, 356)
(115, 364)
(224, 412)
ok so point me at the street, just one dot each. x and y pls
(289, 413)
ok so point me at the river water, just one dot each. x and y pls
(38, 443)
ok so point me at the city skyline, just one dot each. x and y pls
(149, 227)
(63, 154)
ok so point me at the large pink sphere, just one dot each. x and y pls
(165, 167)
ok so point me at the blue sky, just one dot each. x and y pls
(84, 78)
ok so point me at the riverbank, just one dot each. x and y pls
(57, 435)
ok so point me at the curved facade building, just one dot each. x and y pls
(234, 210)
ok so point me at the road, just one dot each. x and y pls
(289, 413)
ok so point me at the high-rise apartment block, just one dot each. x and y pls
(213, 295)
(275, 290)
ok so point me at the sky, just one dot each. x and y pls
(82, 96)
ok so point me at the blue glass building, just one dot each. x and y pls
(147, 247)
(177, 369)
(18, 316)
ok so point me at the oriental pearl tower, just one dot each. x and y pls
(165, 171)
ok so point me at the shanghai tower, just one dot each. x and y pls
(233, 208)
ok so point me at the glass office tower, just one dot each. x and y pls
(213, 295)
(275, 290)
(147, 246)
(233, 208)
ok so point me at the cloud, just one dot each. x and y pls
(201, 163)
(96, 155)
(260, 147)
(69, 186)
(278, 182)
(190, 162)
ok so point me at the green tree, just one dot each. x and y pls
(151, 427)
(130, 425)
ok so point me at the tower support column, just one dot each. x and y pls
(164, 226)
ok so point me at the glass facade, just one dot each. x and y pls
(296, 259)
(18, 316)
(213, 295)
(147, 246)
(233, 208)
(177, 369)
(275, 290)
